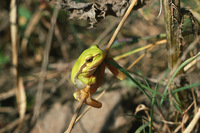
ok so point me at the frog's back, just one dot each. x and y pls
(76, 69)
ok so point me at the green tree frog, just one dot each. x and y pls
(88, 72)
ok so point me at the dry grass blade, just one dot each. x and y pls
(38, 98)
(8, 94)
(19, 87)
(21, 102)
(181, 124)
(129, 53)
(149, 49)
(191, 64)
(193, 123)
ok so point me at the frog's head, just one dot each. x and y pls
(93, 56)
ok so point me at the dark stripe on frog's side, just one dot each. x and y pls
(77, 81)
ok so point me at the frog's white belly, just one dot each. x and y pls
(79, 85)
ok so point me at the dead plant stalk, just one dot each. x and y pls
(107, 50)
(18, 82)
(38, 97)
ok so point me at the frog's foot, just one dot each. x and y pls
(93, 102)
(78, 95)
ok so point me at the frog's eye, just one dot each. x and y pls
(89, 59)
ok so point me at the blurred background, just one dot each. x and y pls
(54, 105)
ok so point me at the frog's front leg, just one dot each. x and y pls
(79, 94)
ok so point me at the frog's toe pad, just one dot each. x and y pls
(77, 95)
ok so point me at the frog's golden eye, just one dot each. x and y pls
(89, 59)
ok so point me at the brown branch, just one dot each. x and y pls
(107, 49)
(77, 111)
(120, 25)
(75, 115)
(38, 97)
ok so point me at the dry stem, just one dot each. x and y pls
(44, 66)
(149, 49)
(107, 49)
(89, 107)
(19, 87)
(120, 25)
(193, 123)
(77, 111)
(75, 116)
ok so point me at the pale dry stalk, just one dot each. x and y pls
(19, 87)
(120, 25)
(193, 123)
(106, 49)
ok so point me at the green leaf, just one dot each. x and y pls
(139, 130)
(152, 107)
(186, 87)
(177, 107)
(129, 76)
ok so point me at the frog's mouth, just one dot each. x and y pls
(94, 67)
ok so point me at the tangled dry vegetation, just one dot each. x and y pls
(40, 41)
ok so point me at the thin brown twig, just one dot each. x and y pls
(106, 49)
(69, 129)
(7, 94)
(63, 44)
(44, 66)
(149, 49)
(75, 116)
(195, 101)
(163, 119)
(30, 27)
(120, 25)
(188, 108)
(89, 107)
(193, 123)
